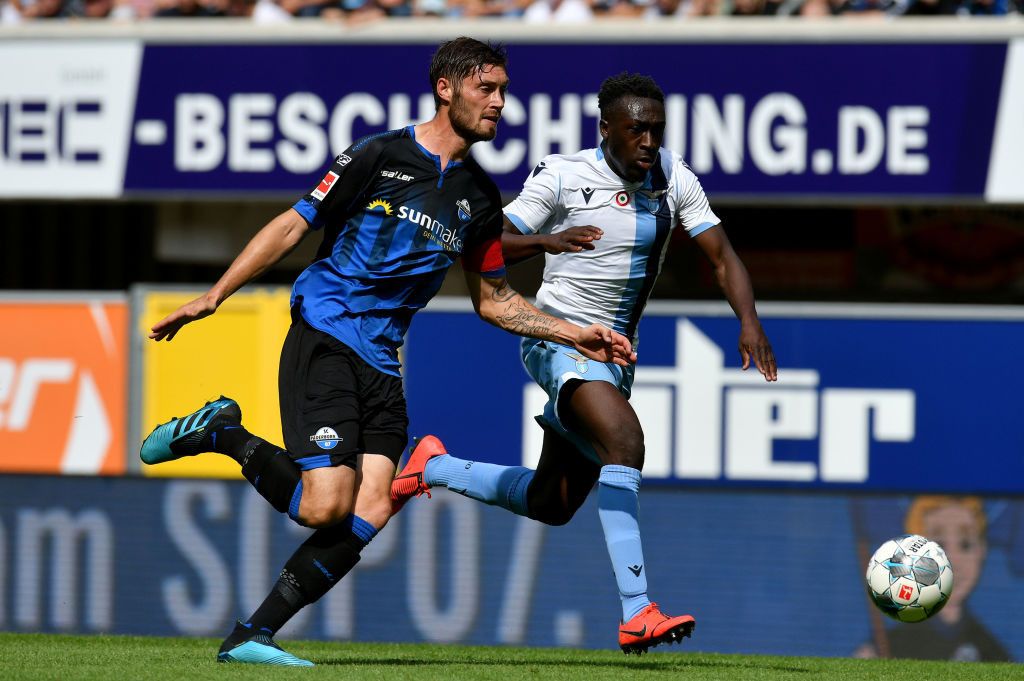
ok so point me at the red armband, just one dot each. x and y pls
(485, 258)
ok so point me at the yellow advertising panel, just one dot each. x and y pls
(234, 352)
(63, 380)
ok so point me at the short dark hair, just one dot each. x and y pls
(458, 58)
(627, 85)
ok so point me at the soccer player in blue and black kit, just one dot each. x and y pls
(396, 210)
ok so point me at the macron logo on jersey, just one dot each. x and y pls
(325, 186)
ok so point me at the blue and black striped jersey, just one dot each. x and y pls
(393, 223)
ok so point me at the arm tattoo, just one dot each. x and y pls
(503, 292)
(520, 318)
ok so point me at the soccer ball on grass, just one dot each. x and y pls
(909, 578)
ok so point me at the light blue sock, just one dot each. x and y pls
(618, 505)
(503, 486)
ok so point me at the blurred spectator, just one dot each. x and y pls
(429, 8)
(99, 9)
(930, 7)
(665, 8)
(614, 9)
(42, 9)
(984, 7)
(702, 8)
(10, 12)
(559, 11)
(190, 8)
(269, 12)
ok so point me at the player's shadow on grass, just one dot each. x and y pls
(654, 665)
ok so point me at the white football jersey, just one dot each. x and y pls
(611, 283)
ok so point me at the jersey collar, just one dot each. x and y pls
(433, 157)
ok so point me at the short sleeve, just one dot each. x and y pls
(693, 210)
(343, 186)
(538, 200)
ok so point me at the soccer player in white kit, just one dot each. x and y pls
(603, 217)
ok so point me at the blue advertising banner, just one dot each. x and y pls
(127, 117)
(255, 118)
(762, 572)
(868, 398)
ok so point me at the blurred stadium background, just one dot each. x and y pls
(869, 170)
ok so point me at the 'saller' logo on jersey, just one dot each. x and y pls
(622, 199)
(325, 186)
(581, 362)
(381, 204)
(587, 193)
(326, 438)
(464, 212)
(396, 175)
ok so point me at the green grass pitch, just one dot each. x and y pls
(135, 658)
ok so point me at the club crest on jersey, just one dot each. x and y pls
(325, 185)
(581, 362)
(622, 199)
(464, 212)
(379, 204)
(326, 438)
(343, 160)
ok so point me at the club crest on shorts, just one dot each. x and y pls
(581, 362)
(326, 438)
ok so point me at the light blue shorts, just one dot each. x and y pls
(552, 365)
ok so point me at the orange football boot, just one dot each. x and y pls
(651, 627)
(409, 482)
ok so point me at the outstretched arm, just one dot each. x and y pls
(735, 282)
(517, 247)
(276, 240)
(497, 303)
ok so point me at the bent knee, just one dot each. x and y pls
(626, 449)
(550, 514)
(318, 515)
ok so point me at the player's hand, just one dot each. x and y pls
(754, 346)
(573, 240)
(604, 345)
(166, 328)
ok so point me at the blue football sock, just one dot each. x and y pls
(503, 486)
(293, 506)
(618, 505)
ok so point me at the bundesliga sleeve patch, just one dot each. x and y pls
(325, 186)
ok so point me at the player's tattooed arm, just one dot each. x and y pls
(498, 303)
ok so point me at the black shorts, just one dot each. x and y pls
(335, 406)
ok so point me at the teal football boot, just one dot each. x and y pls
(256, 647)
(187, 436)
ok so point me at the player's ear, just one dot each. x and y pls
(445, 90)
(603, 127)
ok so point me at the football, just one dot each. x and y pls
(909, 578)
